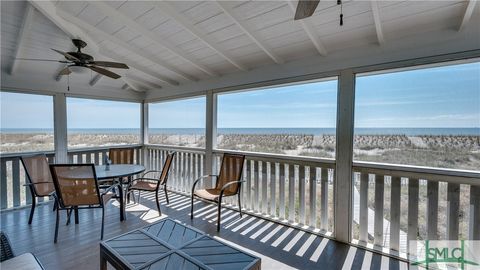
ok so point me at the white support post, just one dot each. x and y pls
(144, 132)
(60, 128)
(210, 133)
(344, 149)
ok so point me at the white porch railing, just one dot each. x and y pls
(392, 204)
(424, 203)
(14, 194)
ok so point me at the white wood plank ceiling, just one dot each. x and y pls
(170, 44)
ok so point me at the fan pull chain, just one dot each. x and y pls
(68, 82)
(339, 2)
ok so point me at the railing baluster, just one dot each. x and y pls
(97, 159)
(249, 185)
(89, 158)
(16, 181)
(282, 169)
(313, 196)
(264, 178)
(291, 193)
(363, 211)
(432, 210)
(3, 185)
(301, 193)
(324, 199)
(453, 200)
(378, 220)
(474, 222)
(395, 190)
(256, 184)
(273, 187)
(412, 210)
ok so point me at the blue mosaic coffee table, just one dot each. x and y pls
(168, 244)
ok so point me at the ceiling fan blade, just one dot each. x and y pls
(41, 60)
(67, 56)
(109, 64)
(65, 71)
(105, 72)
(305, 8)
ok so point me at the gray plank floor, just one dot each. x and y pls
(280, 247)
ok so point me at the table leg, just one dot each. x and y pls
(122, 202)
(76, 215)
(103, 262)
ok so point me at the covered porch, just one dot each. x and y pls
(322, 206)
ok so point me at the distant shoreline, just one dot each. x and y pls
(292, 131)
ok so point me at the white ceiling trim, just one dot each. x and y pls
(96, 31)
(168, 10)
(378, 22)
(249, 32)
(468, 14)
(27, 22)
(113, 13)
(310, 30)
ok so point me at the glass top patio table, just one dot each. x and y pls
(118, 170)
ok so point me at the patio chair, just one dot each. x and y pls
(121, 156)
(228, 184)
(76, 187)
(8, 259)
(152, 180)
(39, 178)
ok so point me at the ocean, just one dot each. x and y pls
(309, 131)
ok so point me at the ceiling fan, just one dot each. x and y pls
(79, 62)
(306, 8)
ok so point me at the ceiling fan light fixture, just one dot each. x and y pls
(78, 69)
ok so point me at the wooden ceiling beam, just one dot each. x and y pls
(378, 22)
(24, 29)
(249, 32)
(95, 79)
(143, 82)
(467, 14)
(168, 10)
(130, 23)
(98, 32)
(310, 30)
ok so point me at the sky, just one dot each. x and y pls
(447, 96)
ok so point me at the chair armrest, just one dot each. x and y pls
(38, 183)
(229, 184)
(147, 178)
(201, 178)
(150, 171)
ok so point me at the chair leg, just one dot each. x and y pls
(166, 194)
(69, 213)
(76, 215)
(139, 193)
(32, 210)
(158, 204)
(191, 208)
(103, 220)
(239, 205)
(219, 213)
(56, 225)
